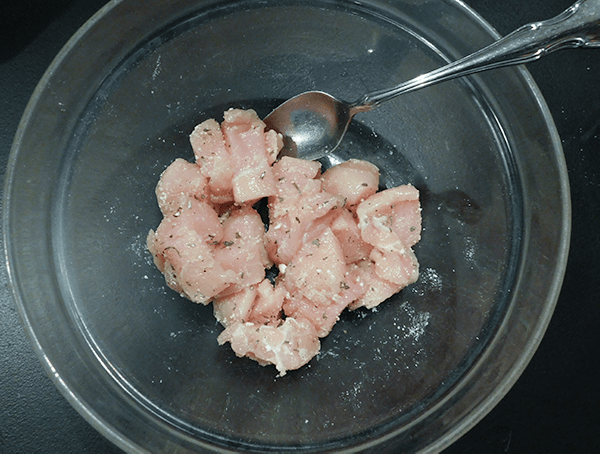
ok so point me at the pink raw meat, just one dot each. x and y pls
(242, 248)
(288, 346)
(318, 270)
(346, 230)
(178, 183)
(213, 159)
(355, 180)
(338, 243)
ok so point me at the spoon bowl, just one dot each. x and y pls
(314, 123)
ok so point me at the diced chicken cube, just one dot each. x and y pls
(232, 154)
(397, 265)
(179, 182)
(244, 135)
(250, 155)
(321, 316)
(396, 209)
(288, 346)
(295, 178)
(346, 230)
(299, 207)
(318, 270)
(268, 306)
(193, 215)
(189, 264)
(234, 308)
(242, 248)
(252, 184)
(214, 160)
(355, 180)
(373, 290)
(274, 144)
(261, 304)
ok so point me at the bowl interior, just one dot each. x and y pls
(143, 364)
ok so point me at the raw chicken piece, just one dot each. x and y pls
(298, 208)
(244, 135)
(268, 306)
(346, 230)
(318, 271)
(288, 346)
(188, 262)
(252, 184)
(295, 178)
(337, 242)
(194, 215)
(260, 304)
(321, 316)
(242, 248)
(371, 288)
(213, 159)
(395, 264)
(236, 156)
(355, 180)
(178, 183)
(397, 210)
(234, 308)
(288, 233)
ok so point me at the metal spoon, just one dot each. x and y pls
(314, 123)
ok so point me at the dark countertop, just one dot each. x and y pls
(553, 407)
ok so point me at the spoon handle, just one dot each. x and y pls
(578, 26)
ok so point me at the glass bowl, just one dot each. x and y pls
(143, 365)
